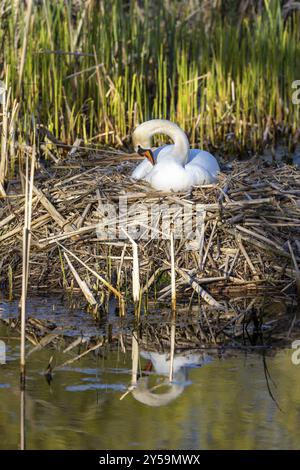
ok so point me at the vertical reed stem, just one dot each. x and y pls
(173, 294)
(173, 277)
(3, 158)
(26, 255)
(135, 274)
(24, 282)
(25, 41)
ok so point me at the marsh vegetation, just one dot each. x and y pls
(224, 71)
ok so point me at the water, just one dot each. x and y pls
(214, 403)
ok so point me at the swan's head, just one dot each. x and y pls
(142, 144)
(142, 138)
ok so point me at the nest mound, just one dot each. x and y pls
(91, 223)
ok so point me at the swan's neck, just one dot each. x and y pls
(181, 144)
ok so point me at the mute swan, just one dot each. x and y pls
(171, 167)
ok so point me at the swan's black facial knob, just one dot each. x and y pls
(146, 153)
(141, 151)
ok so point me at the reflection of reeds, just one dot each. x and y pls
(135, 358)
(248, 323)
(22, 420)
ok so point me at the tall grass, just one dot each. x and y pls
(95, 69)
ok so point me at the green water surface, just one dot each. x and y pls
(225, 404)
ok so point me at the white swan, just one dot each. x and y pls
(171, 167)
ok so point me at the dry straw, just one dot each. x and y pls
(249, 239)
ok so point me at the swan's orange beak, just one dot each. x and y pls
(148, 154)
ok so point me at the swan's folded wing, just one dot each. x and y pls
(198, 175)
(204, 159)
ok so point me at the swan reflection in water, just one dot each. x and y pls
(158, 367)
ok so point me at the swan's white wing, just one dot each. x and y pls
(205, 161)
(198, 175)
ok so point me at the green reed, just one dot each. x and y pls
(228, 83)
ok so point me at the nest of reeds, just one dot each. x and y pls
(246, 237)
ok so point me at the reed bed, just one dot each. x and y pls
(247, 238)
(95, 69)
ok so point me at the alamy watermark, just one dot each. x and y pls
(296, 353)
(148, 221)
(2, 352)
(296, 93)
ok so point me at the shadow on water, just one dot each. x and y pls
(141, 393)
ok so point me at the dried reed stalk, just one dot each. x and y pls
(26, 258)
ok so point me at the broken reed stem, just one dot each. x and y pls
(120, 266)
(297, 271)
(82, 284)
(135, 273)
(104, 281)
(4, 139)
(79, 356)
(173, 272)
